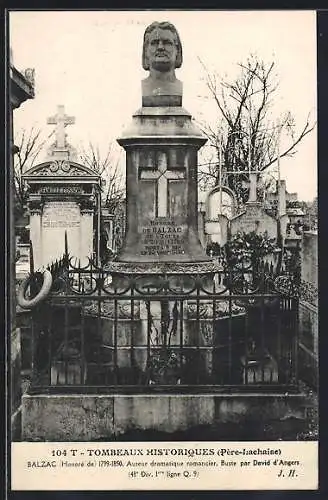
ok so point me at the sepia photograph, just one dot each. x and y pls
(163, 243)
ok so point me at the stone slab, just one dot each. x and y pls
(65, 418)
(254, 219)
(167, 413)
(168, 122)
(259, 407)
(101, 417)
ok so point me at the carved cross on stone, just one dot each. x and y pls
(162, 175)
(61, 120)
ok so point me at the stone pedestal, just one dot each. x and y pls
(57, 217)
(161, 170)
(162, 236)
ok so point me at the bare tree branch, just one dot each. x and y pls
(246, 132)
(30, 144)
(107, 166)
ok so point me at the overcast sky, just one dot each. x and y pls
(91, 62)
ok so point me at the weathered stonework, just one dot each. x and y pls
(162, 222)
(101, 417)
(254, 219)
(62, 198)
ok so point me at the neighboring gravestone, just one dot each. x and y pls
(220, 208)
(161, 169)
(62, 198)
(217, 230)
(108, 224)
(254, 218)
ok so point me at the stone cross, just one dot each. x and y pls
(252, 186)
(61, 120)
(162, 175)
(252, 183)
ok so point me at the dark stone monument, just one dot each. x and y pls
(161, 236)
(161, 148)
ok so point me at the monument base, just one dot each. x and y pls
(95, 417)
(126, 268)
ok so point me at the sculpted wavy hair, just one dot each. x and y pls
(164, 26)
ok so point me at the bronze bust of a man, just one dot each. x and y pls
(161, 55)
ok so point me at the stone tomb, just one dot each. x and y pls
(161, 146)
(62, 199)
(254, 218)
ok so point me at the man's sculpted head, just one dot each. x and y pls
(162, 49)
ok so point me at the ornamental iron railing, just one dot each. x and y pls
(99, 331)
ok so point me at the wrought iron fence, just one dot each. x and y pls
(100, 331)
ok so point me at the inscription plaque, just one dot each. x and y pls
(60, 214)
(74, 189)
(249, 221)
(163, 236)
(57, 218)
(255, 219)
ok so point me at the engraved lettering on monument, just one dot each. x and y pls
(162, 213)
(57, 218)
(163, 237)
(61, 214)
(59, 189)
(250, 219)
